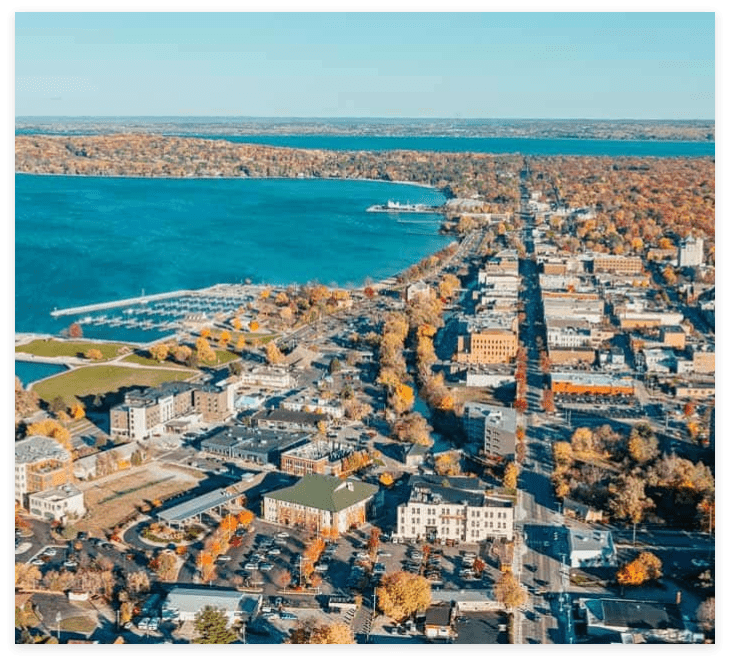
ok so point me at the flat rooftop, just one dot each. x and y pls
(37, 448)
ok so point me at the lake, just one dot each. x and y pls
(81, 240)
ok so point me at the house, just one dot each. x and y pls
(581, 511)
(414, 455)
(320, 502)
(438, 622)
(184, 603)
(590, 548)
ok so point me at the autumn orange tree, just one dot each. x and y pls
(402, 594)
(509, 480)
(313, 632)
(645, 567)
(508, 591)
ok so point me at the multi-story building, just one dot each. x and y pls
(703, 358)
(41, 463)
(282, 419)
(316, 503)
(488, 345)
(58, 503)
(691, 252)
(416, 290)
(492, 427)
(435, 511)
(332, 408)
(617, 264)
(316, 457)
(145, 411)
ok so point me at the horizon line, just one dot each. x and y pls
(365, 118)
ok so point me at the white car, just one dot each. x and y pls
(282, 534)
(154, 624)
(51, 551)
(144, 623)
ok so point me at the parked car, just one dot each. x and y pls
(288, 616)
(224, 557)
(282, 534)
(154, 624)
(251, 565)
(266, 566)
(321, 567)
(144, 623)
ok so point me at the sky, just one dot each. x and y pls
(467, 65)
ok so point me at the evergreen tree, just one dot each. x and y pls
(212, 625)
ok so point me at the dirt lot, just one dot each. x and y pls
(110, 499)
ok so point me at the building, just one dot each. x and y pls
(630, 620)
(320, 502)
(414, 455)
(617, 264)
(590, 548)
(590, 383)
(437, 511)
(703, 359)
(184, 603)
(266, 377)
(331, 408)
(673, 336)
(41, 463)
(291, 421)
(581, 511)
(192, 509)
(691, 252)
(213, 402)
(495, 345)
(493, 428)
(315, 457)
(253, 444)
(58, 503)
(438, 622)
(144, 412)
(416, 290)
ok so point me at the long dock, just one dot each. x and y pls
(78, 310)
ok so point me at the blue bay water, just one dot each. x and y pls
(525, 146)
(32, 372)
(81, 240)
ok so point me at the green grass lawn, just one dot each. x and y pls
(103, 379)
(82, 624)
(53, 347)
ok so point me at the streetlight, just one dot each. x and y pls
(58, 626)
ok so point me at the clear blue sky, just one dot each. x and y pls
(521, 65)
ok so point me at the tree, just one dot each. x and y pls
(77, 411)
(334, 366)
(548, 401)
(212, 626)
(166, 566)
(402, 594)
(629, 501)
(645, 567)
(521, 405)
(273, 354)
(26, 402)
(93, 354)
(401, 399)
(643, 444)
(224, 338)
(562, 453)
(509, 480)
(508, 591)
(253, 326)
(204, 351)
(312, 632)
(182, 353)
(447, 464)
(236, 323)
(159, 352)
(705, 615)
(582, 440)
(75, 331)
(412, 428)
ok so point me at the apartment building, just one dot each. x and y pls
(41, 464)
(438, 512)
(266, 377)
(493, 428)
(316, 457)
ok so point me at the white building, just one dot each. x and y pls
(267, 377)
(183, 604)
(591, 549)
(435, 511)
(691, 252)
(58, 503)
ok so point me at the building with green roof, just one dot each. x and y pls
(320, 502)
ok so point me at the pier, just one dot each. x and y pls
(79, 310)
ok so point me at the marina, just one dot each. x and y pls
(398, 207)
